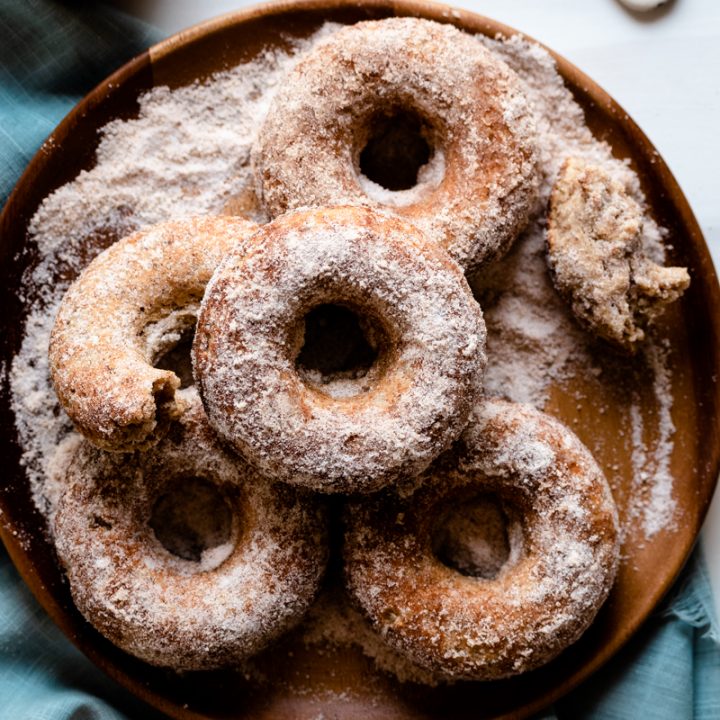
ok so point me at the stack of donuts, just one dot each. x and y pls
(336, 349)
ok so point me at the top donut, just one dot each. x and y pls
(407, 115)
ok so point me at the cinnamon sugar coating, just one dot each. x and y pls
(352, 432)
(175, 612)
(597, 259)
(563, 538)
(129, 306)
(477, 189)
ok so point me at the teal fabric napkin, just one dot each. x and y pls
(53, 53)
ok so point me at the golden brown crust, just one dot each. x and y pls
(477, 190)
(179, 613)
(125, 309)
(597, 259)
(353, 435)
(562, 562)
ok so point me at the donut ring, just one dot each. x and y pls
(350, 434)
(480, 184)
(129, 306)
(561, 566)
(170, 611)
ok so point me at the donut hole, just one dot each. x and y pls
(193, 521)
(175, 355)
(473, 537)
(397, 146)
(342, 350)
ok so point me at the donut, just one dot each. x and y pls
(560, 560)
(357, 424)
(375, 100)
(192, 606)
(132, 304)
(597, 260)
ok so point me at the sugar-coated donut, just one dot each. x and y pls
(129, 306)
(561, 563)
(478, 187)
(175, 612)
(597, 259)
(352, 432)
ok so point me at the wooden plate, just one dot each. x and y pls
(344, 683)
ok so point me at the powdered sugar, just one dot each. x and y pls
(334, 622)
(652, 502)
(429, 177)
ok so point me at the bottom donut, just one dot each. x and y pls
(182, 555)
(504, 607)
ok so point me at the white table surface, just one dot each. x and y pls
(662, 67)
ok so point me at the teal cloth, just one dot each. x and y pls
(51, 54)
